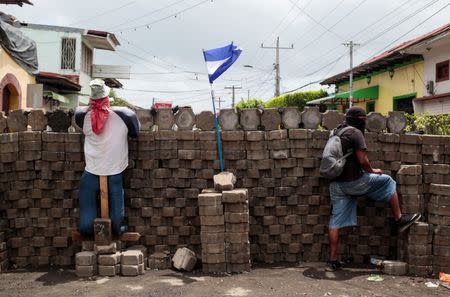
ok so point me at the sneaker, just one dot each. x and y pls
(333, 265)
(407, 220)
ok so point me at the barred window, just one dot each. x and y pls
(68, 47)
(86, 59)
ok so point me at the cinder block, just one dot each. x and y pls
(105, 249)
(85, 259)
(86, 271)
(210, 199)
(159, 261)
(235, 196)
(109, 260)
(130, 270)
(224, 181)
(132, 257)
(184, 259)
(109, 270)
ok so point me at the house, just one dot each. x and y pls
(399, 78)
(66, 60)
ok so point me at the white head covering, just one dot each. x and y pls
(99, 89)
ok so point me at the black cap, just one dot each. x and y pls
(355, 112)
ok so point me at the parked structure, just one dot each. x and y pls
(66, 54)
(399, 79)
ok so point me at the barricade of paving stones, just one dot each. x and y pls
(289, 204)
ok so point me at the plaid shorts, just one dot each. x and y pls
(377, 187)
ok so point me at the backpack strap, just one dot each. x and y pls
(343, 130)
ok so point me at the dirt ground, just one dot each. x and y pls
(306, 279)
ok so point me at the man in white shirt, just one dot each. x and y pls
(106, 133)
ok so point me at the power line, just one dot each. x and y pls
(162, 19)
(103, 13)
(134, 19)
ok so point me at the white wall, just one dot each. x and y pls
(435, 106)
(49, 49)
(431, 58)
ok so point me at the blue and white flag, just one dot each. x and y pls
(218, 60)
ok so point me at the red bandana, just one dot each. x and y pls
(99, 113)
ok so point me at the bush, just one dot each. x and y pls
(298, 99)
(250, 103)
(429, 124)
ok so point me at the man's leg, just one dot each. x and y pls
(395, 206)
(89, 188)
(116, 203)
(333, 237)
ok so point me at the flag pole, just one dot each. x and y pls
(216, 122)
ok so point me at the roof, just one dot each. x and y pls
(113, 83)
(16, 2)
(392, 56)
(98, 39)
(64, 83)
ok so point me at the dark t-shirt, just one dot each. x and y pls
(352, 139)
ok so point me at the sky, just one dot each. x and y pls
(162, 40)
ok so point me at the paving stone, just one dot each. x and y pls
(184, 259)
(129, 270)
(290, 118)
(164, 119)
(132, 257)
(37, 120)
(110, 259)
(86, 271)
(185, 118)
(145, 118)
(205, 121)
(332, 118)
(271, 119)
(396, 122)
(228, 119)
(250, 119)
(224, 181)
(17, 121)
(86, 258)
(109, 270)
(105, 249)
(311, 118)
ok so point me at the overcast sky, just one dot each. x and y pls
(167, 36)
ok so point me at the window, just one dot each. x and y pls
(86, 59)
(370, 107)
(404, 103)
(68, 47)
(442, 71)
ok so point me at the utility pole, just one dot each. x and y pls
(233, 87)
(277, 63)
(219, 100)
(248, 94)
(350, 85)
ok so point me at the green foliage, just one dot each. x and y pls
(116, 100)
(298, 99)
(429, 124)
(250, 103)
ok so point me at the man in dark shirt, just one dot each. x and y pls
(359, 179)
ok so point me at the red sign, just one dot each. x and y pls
(159, 105)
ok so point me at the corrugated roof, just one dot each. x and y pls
(16, 2)
(394, 54)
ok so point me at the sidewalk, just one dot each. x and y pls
(306, 279)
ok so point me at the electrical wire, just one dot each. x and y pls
(102, 13)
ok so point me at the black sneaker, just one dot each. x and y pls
(333, 265)
(407, 220)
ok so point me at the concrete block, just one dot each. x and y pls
(132, 257)
(375, 122)
(17, 121)
(86, 271)
(332, 118)
(224, 181)
(440, 189)
(271, 119)
(228, 119)
(85, 259)
(395, 267)
(105, 249)
(311, 118)
(109, 260)
(102, 231)
(396, 122)
(205, 121)
(184, 259)
(249, 118)
(410, 170)
(210, 199)
(164, 119)
(109, 270)
(129, 270)
(290, 118)
(235, 196)
(59, 120)
(145, 118)
(185, 118)
(37, 120)
(3, 121)
(87, 245)
(159, 261)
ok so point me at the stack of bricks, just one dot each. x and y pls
(410, 189)
(415, 248)
(212, 231)
(132, 263)
(434, 174)
(86, 264)
(439, 216)
(237, 225)
(3, 253)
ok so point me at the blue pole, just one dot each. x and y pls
(219, 144)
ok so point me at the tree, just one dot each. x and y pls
(117, 101)
(297, 99)
(249, 103)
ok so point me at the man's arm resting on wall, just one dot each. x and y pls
(130, 119)
(365, 163)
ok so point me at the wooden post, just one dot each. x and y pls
(104, 202)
